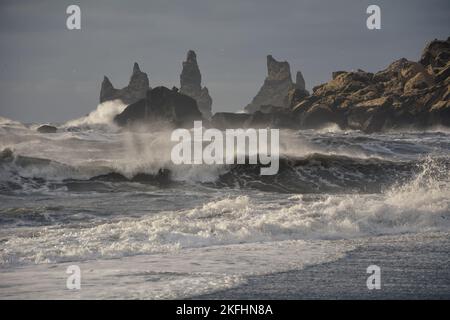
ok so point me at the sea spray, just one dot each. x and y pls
(103, 115)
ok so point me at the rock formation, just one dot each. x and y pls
(277, 86)
(135, 91)
(47, 129)
(161, 105)
(406, 94)
(229, 120)
(191, 84)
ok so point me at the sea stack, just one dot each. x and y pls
(277, 86)
(135, 91)
(191, 84)
(161, 106)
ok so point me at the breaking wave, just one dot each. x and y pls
(102, 116)
(421, 204)
(100, 193)
(314, 173)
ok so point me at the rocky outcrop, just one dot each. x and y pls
(160, 179)
(160, 106)
(191, 84)
(277, 119)
(47, 129)
(277, 86)
(436, 55)
(229, 120)
(135, 91)
(318, 116)
(406, 94)
(271, 118)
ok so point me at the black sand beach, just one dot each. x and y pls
(412, 267)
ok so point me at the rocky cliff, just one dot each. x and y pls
(406, 94)
(191, 84)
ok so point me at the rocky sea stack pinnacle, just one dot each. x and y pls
(191, 84)
(405, 95)
(135, 91)
(276, 87)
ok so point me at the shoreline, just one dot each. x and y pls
(411, 268)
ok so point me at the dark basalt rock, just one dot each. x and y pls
(6, 155)
(436, 54)
(191, 84)
(277, 86)
(160, 179)
(136, 89)
(47, 129)
(406, 94)
(294, 97)
(318, 116)
(161, 105)
(277, 119)
(228, 120)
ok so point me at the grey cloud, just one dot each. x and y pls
(48, 73)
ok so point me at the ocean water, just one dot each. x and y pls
(139, 226)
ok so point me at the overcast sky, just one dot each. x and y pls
(51, 74)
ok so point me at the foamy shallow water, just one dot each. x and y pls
(183, 274)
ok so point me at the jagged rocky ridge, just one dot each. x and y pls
(406, 94)
(176, 107)
(161, 106)
(136, 89)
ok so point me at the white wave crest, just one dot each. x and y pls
(103, 115)
(421, 205)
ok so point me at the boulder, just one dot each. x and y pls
(319, 115)
(369, 116)
(436, 54)
(228, 120)
(440, 114)
(47, 129)
(6, 155)
(267, 108)
(335, 74)
(161, 105)
(420, 80)
(295, 96)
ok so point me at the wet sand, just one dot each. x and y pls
(412, 267)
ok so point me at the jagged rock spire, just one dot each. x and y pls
(191, 77)
(107, 89)
(300, 81)
(274, 91)
(137, 88)
(278, 70)
(191, 84)
(138, 81)
(136, 68)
